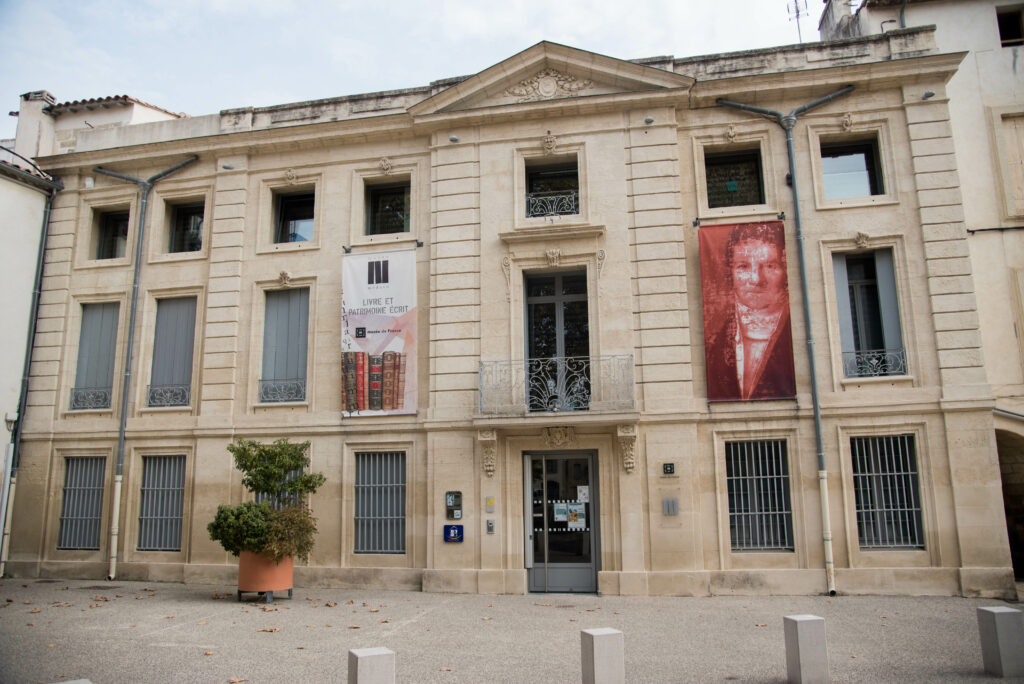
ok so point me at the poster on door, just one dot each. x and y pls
(378, 333)
(577, 516)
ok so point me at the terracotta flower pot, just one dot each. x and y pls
(258, 572)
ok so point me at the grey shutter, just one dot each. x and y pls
(82, 510)
(380, 502)
(160, 503)
(285, 335)
(888, 303)
(843, 303)
(171, 378)
(96, 347)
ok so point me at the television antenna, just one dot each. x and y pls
(796, 9)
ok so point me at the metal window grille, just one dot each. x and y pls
(380, 502)
(885, 484)
(760, 515)
(160, 507)
(278, 502)
(82, 510)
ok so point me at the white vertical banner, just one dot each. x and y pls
(378, 333)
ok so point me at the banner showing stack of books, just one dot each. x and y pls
(373, 382)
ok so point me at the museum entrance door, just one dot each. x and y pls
(561, 514)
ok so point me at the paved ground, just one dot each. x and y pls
(52, 631)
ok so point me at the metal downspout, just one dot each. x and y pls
(12, 484)
(788, 122)
(144, 188)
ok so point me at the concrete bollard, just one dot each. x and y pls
(806, 650)
(1002, 641)
(601, 651)
(371, 666)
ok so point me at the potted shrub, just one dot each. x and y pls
(269, 533)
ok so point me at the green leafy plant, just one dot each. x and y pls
(281, 524)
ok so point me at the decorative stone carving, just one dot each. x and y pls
(600, 261)
(847, 122)
(549, 142)
(290, 176)
(488, 449)
(862, 240)
(553, 257)
(506, 266)
(730, 133)
(385, 165)
(627, 445)
(560, 437)
(286, 278)
(547, 84)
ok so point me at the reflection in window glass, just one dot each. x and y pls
(851, 170)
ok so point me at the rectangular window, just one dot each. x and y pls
(94, 375)
(82, 509)
(285, 336)
(558, 365)
(733, 178)
(757, 477)
(294, 217)
(1011, 29)
(387, 208)
(161, 503)
(278, 502)
(851, 169)
(187, 227)
(380, 502)
(111, 234)
(171, 376)
(552, 189)
(869, 314)
(885, 484)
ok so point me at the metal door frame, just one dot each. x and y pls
(595, 507)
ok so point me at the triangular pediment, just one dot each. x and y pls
(549, 71)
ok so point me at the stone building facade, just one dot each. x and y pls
(557, 433)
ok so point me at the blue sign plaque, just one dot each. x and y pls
(453, 534)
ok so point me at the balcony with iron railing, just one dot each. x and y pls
(556, 385)
(552, 203)
(872, 363)
(161, 396)
(90, 398)
(275, 391)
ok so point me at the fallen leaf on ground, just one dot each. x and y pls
(760, 624)
(139, 598)
(490, 605)
(118, 595)
(487, 618)
(330, 604)
(203, 622)
(573, 620)
(353, 626)
(30, 624)
(23, 586)
(100, 598)
(365, 604)
(96, 605)
(375, 610)
(50, 645)
(312, 599)
(853, 656)
(169, 617)
(446, 669)
(35, 610)
(300, 648)
(269, 629)
(385, 621)
(216, 596)
(269, 609)
(208, 653)
(618, 613)
(28, 603)
(236, 680)
(349, 602)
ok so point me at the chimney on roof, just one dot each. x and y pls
(43, 95)
(35, 133)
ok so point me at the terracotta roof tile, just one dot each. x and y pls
(99, 102)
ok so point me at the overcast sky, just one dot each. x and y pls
(201, 56)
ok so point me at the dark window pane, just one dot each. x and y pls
(574, 284)
(733, 178)
(1011, 32)
(387, 209)
(113, 235)
(552, 190)
(187, 228)
(294, 218)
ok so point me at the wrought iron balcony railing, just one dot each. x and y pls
(276, 391)
(583, 383)
(85, 398)
(168, 395)
(870, 363)
(556, 203)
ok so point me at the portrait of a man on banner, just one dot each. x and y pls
(748, 342)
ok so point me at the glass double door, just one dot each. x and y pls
(561, 521)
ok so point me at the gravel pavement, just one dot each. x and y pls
(63, 630)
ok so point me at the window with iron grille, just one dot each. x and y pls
(380, 502)
(285, 336)
(94, 374)
(869, 314)
(285, 499)
(885, 484)
(161, 503)
(733, 177)
(757, 477)
(552, 189)
(82, 509)
(173, 341)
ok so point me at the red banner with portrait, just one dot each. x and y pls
(748, 342)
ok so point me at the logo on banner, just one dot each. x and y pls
(376, 272)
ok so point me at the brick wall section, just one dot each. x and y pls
(661, 319)
(221, 332)
(948, 265)
(54, 301)
(454, 280)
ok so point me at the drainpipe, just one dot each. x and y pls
(12, 484)
(144, 187)
(788, 121)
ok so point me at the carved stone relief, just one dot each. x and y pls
(285, 278)
(547, 84)
(549, 142)
(488, 449)
(627, 445)
(560, 437)
(553, 257)
(385, 165)
(290, 176)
